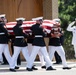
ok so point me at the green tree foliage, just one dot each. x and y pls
(67, 10)
(67, 14)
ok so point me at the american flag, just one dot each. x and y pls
(47, 25)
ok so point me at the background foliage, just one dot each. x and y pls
(67, 14)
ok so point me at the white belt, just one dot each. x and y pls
(38, 36)
(2, 33)
(19, 37)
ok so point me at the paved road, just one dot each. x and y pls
(4, 70)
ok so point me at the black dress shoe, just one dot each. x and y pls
(43, 67)
(13, 70)
(16, 67)
(29, 69)
(50, 68)
(34, 68)
(66, 68)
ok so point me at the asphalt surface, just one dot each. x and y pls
(4, 70)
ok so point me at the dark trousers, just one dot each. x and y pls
(57, 58)
(4, 59)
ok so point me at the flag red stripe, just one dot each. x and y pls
(47, 27)
(27, 25)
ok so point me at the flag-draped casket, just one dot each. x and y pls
(47, 25)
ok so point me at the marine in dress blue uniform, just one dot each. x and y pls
(30, 46)
(57, 57)
(55, 45)
(4, 40)
(5, 62)
(19, 43)
(39, 45)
